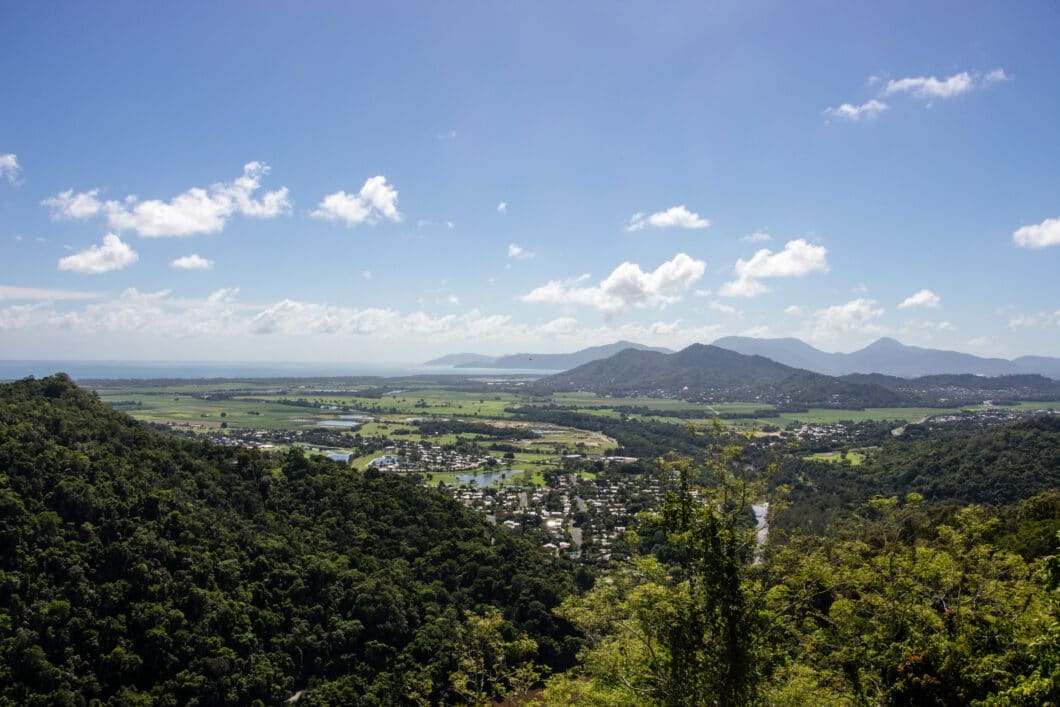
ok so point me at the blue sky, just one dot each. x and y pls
(369, 184)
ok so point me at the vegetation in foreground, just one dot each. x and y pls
(139, 568)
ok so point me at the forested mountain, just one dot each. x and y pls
(965, 388)
(544, 362)
(1002, 465)
(888, 356)
(138, 568)
(716, 374)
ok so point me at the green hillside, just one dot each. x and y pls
(137, 568)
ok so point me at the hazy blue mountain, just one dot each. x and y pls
(462, 359)
(1043, 365)
(889, 357)
(546, 362)
(716, 374)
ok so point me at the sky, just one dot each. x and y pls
(248, 181)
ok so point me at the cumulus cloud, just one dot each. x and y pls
(868, 110)
(502, 207)
(517, 252)
(857, 315)
(9, 168)
(926, 87)
(376, 200)
(931, 87)
(923, 298)
(627, 286)
(9, 292)
(798, 258)
(112, 255)
(1039, 235)
(192, 262)
(674, 217)
(197, 210)
(68, 205)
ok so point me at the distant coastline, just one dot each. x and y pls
(117, 370)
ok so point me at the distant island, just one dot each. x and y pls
(539, 361)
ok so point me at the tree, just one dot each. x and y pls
(683, 627)
(491, 665)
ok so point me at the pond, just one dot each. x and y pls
(338, 423)
(486, 478)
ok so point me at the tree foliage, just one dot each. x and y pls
(140, 568)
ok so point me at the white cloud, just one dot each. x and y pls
(856, 315)
(627, 286)
(9, 167)
(502, 207)
(674, 217)
(559, 327)
(793, 310)
(1038, 320)
(866, 111)
(367, 274)
(518, 252)
(192, 262)
(376, 200)
(1039, 235)
(996, 75)
(68, 205)
(931, 87)
(756, 237)
(923, 298)
(112, 255)
(724, 308)
(453, 300)
(9, 292)
(197, 210)
(798, 258)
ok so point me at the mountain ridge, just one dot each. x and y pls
(888, 356)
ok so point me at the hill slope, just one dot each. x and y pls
(716, 374)
(138, 567)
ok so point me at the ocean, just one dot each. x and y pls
(111, 370)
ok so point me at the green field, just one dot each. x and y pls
(855, 457)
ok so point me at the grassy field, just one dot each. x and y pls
(855, 457)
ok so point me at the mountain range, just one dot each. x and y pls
(884, 356)
(536, 361)
(714, 374)
(889, 357)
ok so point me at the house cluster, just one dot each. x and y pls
(409, 457)
(581, 519)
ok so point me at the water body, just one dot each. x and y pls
(761, 511)
(146, 370)
(338, 423)
(486, 478)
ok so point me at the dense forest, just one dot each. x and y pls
(998, 466)
(138, 568)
